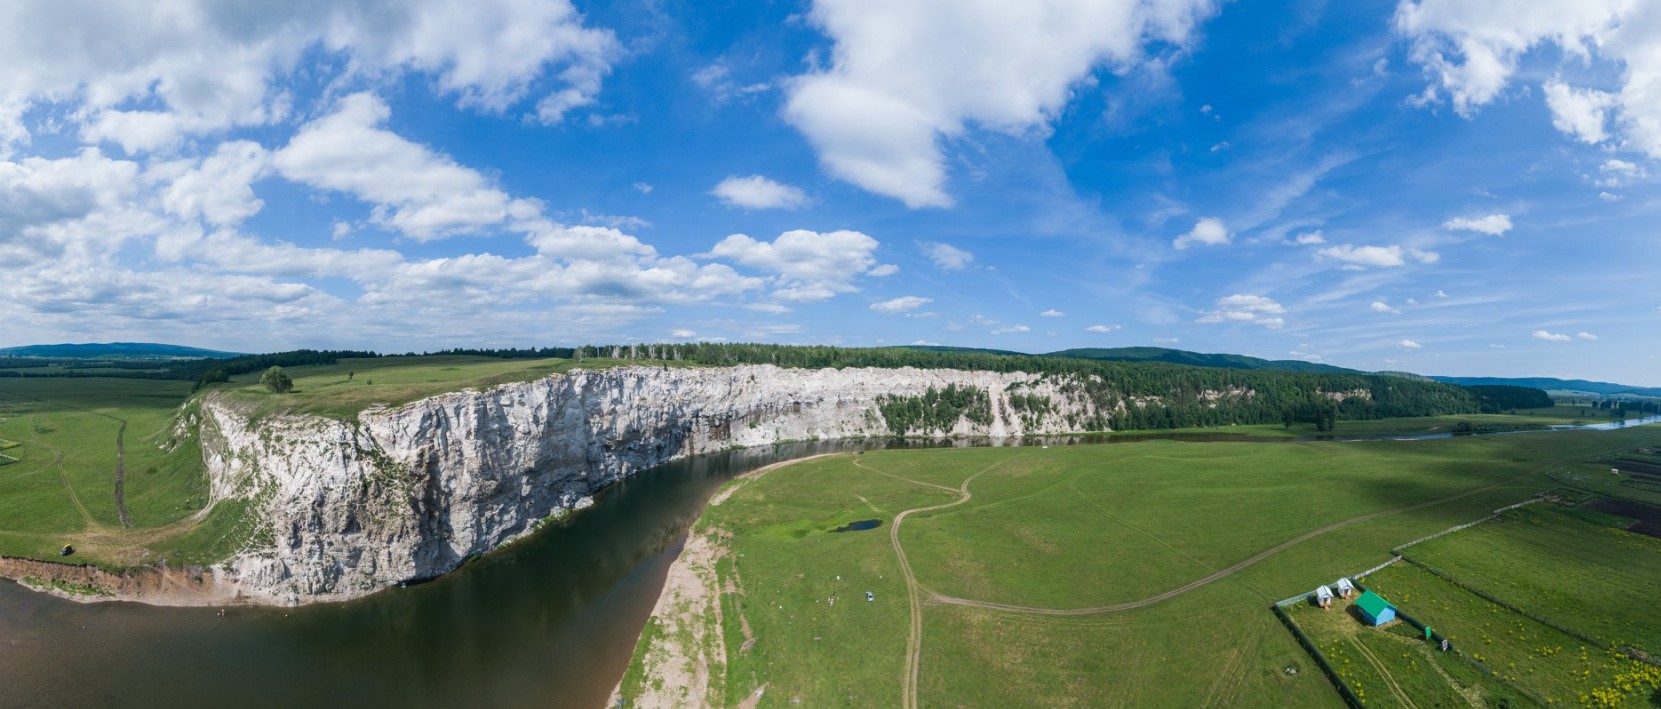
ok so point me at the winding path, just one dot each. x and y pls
(1271, 551)
(914, 641)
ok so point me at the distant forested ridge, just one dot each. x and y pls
(1195, 359)
(115, 350)
(1551, 384)
(1494, 399)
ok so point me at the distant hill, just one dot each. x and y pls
(1550, 383)
(948, 348)
(1196, 359)
(116, 350)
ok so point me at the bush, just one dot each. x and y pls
(276, 380)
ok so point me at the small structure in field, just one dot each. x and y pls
(1323, 597)
(1346, 588)
(1374, 609)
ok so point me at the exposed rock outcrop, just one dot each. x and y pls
(344, 508)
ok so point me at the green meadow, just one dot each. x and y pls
(1068, 576)
(62, 489)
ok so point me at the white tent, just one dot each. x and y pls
(1323, 596)
(1345, 588)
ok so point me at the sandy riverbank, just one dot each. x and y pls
(157, 586)
(684, 660)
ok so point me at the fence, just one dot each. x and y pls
(1467, 525)
(1284, 602)
(1320, 660)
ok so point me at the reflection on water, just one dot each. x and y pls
(550, 621)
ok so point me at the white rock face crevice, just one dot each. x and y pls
(341, 509)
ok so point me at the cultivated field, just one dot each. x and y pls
(1124, 574)
(1512, 652)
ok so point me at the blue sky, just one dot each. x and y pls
(1455, 187)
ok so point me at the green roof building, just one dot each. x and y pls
(1374, 609)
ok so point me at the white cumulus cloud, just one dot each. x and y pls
(1493, 224)
(883, 270)
(1310, 239)
(1550, 336)
(143, 76)
(1208, 231)
(903, 75)
(807, 265)
(1243, 308)
(901, 304)
(1052, 313)
(1409, 345)
(1380, 306)
(758, 192)
(1011, 329)
(1586, 335)
(414, 190)
(947, 257)
(1101, 328)
(1471, 50)
(1381, 256)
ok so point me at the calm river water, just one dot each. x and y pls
(548, 622)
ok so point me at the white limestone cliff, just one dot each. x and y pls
(341, 509)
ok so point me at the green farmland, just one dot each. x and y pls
(1128, 574)
(62, 487)
(1544, 605)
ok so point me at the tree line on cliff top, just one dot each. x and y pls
(1180, 395)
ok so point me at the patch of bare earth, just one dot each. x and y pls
(681, 662)
(158, 585)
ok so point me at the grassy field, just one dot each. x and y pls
(1070, 528)
(58, 436)
(61, 490)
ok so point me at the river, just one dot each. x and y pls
(549, 621)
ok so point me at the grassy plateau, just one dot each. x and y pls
(1140, 573)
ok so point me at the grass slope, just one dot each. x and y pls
(1072, 526)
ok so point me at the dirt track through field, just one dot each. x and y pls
(57, 462)
(121, 475)
(914, 641)
(1225, 573)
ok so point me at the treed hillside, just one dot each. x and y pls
(1494, 399)
(1195, 359)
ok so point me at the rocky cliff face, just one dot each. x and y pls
(342, 509)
